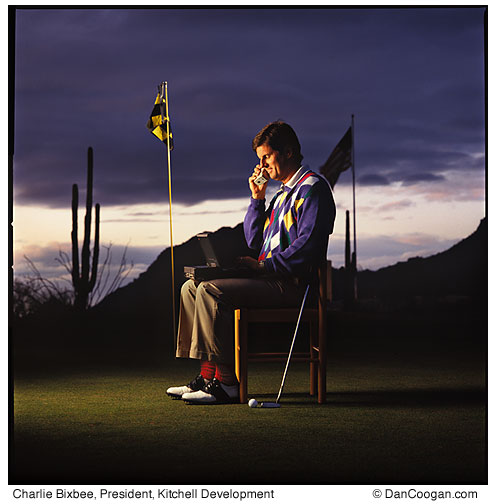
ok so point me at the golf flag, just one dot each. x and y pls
(339, 160)
(157, 124)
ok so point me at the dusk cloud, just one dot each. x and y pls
(370, 180)
(414, 78)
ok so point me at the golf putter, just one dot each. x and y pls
(276, 404)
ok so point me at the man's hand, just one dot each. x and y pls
(258, 192)
(251, 263)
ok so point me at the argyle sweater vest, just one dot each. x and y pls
(292, 234)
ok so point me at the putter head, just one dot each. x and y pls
(270, 405)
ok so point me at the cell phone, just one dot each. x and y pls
(260, 180)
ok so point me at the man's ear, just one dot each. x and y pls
(289, 153)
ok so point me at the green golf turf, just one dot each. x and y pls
(386, 420)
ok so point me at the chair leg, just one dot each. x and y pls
(313, 355)
(322, 396)
(241, 354)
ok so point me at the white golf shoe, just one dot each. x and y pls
(197, 384)
(214, 392)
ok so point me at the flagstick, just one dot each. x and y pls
(170, 212)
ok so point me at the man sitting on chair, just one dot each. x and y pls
(291, 236)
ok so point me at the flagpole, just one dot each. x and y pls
(354, 204)
(164, 95)
(353, 175)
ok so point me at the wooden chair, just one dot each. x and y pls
(317, 354)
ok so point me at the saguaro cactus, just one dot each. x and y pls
(81, 279)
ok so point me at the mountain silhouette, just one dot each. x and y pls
(151, 291)
(134, 323)
(460, 271)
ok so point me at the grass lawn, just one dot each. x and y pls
(390, 418)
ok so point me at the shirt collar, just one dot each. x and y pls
(294, 179)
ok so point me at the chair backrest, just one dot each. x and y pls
(322, 274)
(322, 289)
(328, 277)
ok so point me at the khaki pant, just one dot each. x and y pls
(206, 317)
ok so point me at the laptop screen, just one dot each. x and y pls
(208, 250)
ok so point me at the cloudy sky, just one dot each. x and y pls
(413, 78)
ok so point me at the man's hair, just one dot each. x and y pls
(280, 136)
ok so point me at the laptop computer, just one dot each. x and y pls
(216, 265)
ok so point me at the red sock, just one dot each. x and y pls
(225, 375)
(207, 369)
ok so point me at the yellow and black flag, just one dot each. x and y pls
(159, 120)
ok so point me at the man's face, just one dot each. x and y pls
(275, 163)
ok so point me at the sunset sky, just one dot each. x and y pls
(413, 78)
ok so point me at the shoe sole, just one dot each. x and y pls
(174, 396)
(211, 403)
